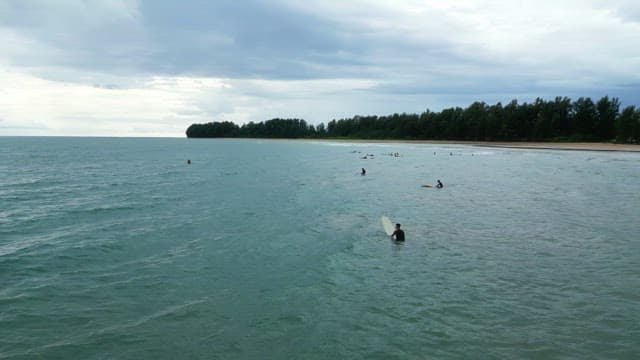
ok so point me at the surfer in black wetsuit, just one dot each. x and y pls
(364, 172)
(439, 186)
(398, 235)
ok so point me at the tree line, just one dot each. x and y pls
(560, 119)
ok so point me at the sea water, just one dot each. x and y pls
(117, 248)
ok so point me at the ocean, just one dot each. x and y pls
(116, 248)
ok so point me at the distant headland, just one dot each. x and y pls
(558, 120)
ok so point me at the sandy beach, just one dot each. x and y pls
(581, 146)
(561, 146)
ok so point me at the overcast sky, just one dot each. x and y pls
(154, 67)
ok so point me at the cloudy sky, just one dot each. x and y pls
(153, 67)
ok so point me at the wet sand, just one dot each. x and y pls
(581, 146)
(562, 146)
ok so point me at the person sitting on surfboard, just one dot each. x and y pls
(398, 235)
(439, 185)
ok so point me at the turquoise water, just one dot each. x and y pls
(116, 248)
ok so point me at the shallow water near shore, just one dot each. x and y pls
(116, 248)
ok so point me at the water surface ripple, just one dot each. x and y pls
(116, 248)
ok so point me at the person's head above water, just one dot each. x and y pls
(397, 226)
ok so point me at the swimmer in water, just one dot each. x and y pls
(398, 235)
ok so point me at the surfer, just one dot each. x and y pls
(439, 185)
(398, 235)
(189, 162)
(364, 172)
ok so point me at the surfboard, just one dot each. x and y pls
(427, 185)
(387, 225)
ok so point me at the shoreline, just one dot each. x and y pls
(577, 146)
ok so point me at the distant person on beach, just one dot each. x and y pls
(398, 235)
(364, 172)
(439, 185)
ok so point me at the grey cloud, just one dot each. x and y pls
(629, 10)
(93, 35)
(235, 39)
(114, 40)
(204, 38)
(245, 39)
(108, 86)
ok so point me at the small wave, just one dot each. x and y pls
(352, 144)
(34, 242)
(176, 311)
(25, 182)
(103, 209)
(171, 311)
(481, 153)
(184, 250)
(625, 160)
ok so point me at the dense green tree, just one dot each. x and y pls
(556, 120)
(635, 131)
(214, 129)
(542, 128)
(321, 131)
(605, 121)
(561, 120)
(585, 114)
(475, 121)
(626, 123)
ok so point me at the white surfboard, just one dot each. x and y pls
(387, 225)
